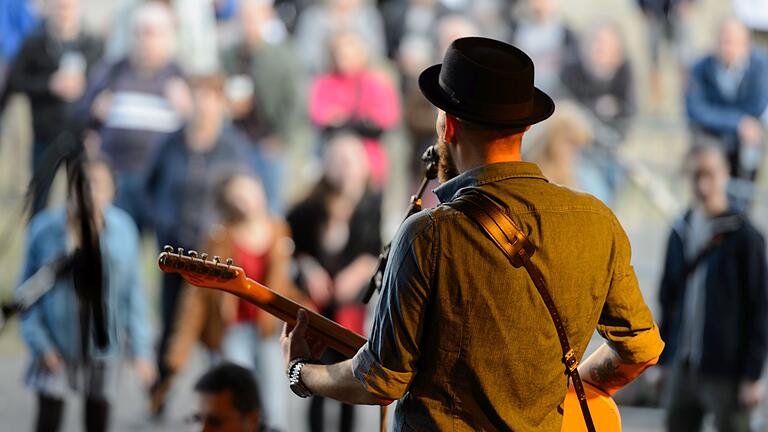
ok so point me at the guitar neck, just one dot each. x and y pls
(333, 335)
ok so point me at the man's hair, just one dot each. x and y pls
(235, 379)
(489, 132)
(705, 144)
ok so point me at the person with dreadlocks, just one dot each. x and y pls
(75, 331)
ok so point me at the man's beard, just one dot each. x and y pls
(446, 167)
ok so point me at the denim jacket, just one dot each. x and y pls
(52, 323)
(464, 340)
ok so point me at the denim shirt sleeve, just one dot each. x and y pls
(386, 364)
(625, 321)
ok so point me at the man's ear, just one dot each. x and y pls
(450, 128)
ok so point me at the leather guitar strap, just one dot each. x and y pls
(518, 249)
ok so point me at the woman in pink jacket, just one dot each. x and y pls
(355, 97)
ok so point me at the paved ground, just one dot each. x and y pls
(17, 407)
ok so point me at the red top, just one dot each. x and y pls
(255, 266)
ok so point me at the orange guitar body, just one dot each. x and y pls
(604, 411)
(201, 272)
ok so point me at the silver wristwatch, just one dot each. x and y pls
(294, 377)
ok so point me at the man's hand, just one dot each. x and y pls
(318, 281)
(52, 361)
(295, 342)
(67, 85)
(751, 393)
(750, 130)
(179, 95)
(102, 105)
(335, 381)
(350, 281)
(146, 371)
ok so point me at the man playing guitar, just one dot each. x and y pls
(461, 338)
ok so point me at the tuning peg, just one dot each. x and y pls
(216, 259)
(204, 256)
(168, 249)
(193, 253)
(229, 261)
(180, 251)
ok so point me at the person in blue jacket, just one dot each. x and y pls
(61, 364)
(727, 97)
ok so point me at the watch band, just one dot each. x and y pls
(294, 377)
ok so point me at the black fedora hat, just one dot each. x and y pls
(486, 81)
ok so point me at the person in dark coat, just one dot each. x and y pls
(714, 298)
(601, 80)
(337, 234)
(133, 104)
(178, 181)
(51, 69)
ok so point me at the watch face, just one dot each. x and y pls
(300, 390)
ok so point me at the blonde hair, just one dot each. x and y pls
(568, 121)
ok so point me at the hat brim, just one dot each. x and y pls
(543, 106)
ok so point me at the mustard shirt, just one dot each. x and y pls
(464, 340)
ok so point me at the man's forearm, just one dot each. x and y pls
(337, 382)
(607, 371)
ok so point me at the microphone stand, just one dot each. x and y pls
(431, 159)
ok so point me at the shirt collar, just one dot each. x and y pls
(487, 174)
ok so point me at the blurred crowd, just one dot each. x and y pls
(191, 114)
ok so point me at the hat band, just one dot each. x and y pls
(520, 109)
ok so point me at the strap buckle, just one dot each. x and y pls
(571, 362)
(521, 247)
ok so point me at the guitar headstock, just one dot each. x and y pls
(198, 270)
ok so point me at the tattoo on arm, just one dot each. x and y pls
(607, 374)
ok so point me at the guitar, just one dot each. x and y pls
(199, 271)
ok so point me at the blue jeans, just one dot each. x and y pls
(243, 345)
